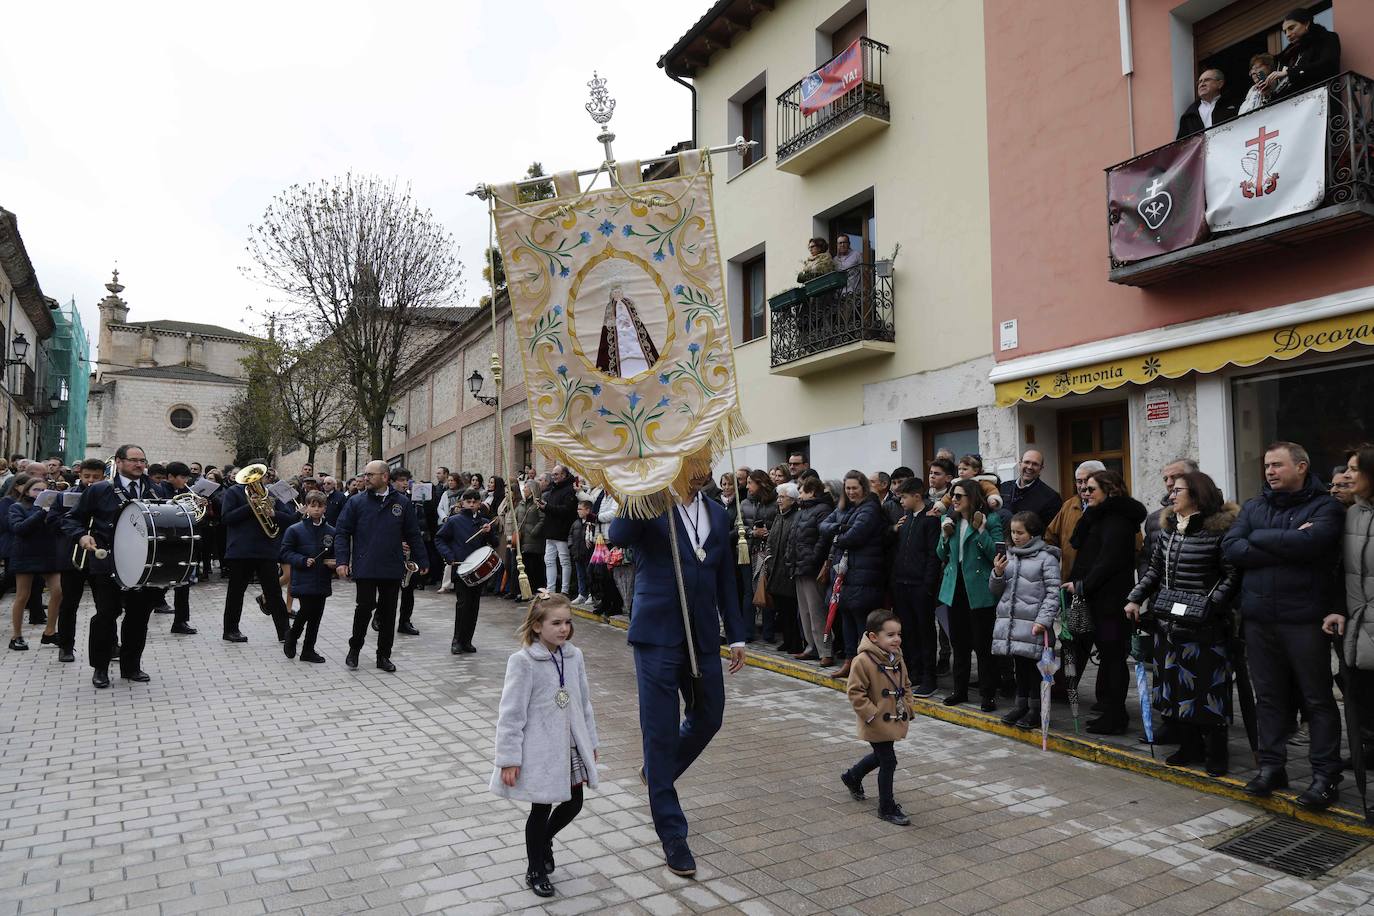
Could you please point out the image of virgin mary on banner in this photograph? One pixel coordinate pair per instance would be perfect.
(620, 315)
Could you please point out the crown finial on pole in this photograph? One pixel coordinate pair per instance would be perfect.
(601, 108)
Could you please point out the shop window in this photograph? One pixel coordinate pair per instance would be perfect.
(1325, 409)
(1093, 433)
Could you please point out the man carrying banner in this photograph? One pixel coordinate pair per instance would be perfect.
(663, 647)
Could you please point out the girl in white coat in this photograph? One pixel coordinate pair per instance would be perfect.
(546, 733)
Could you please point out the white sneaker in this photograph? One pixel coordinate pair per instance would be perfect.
(582, 601)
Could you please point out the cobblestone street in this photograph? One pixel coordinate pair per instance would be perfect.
(240, 782)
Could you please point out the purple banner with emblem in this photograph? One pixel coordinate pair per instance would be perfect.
(842, 73)
(1158, 202)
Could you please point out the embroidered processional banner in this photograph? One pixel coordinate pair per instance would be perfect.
(623, 329)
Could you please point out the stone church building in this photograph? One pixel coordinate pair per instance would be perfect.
(161, 384)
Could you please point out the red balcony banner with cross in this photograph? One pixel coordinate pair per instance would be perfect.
(842, 73)
(1157, 203)
(1267, 164)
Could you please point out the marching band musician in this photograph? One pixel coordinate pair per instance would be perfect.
(400, 479)
(178, 482)
(33, 556)
(375, 526)
(92, 522)
(306, 549)
(90, 471)
(248, 552)
(461, 534)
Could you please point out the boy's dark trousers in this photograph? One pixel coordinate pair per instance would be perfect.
(73, 584)
(882, 758)
(466, 599)
(181, 604)
(916, 610)
(308, 619)
(407, 602)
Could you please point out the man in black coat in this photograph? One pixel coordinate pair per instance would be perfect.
(1028, 493)
(559, 505)
(1210, 109)
(1286, 543)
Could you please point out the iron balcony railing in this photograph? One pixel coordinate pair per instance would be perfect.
(832, 311)
(797, 130)
(1349, 154)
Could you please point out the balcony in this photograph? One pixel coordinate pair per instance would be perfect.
(1348, 202)
(834, 320)
(807, 141)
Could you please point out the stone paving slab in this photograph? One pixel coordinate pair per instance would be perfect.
(240, 782)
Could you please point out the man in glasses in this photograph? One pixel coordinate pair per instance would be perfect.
(797, 465)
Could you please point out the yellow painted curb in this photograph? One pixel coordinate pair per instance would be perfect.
(1346, 820)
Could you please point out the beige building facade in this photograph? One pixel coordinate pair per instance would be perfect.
(25, 323)
(895, 364)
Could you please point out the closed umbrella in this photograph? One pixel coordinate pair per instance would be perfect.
(1352, 727)
(1048, 665)
(1142, 687)
(838, 573)
(1069, 651)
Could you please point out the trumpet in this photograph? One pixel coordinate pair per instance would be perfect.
(194, 504)
(258, 498)
(411, 567)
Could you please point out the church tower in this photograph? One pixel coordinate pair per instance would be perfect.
(113, 310)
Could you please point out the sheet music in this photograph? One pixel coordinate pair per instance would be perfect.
(205, 487)
(422, 492)
(47, 499)
(283, 491)
(70, 498)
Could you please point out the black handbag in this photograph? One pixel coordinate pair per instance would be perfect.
(1078, 619)
(1192, 609)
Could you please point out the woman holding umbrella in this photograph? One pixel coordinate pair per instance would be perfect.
(1195, 680)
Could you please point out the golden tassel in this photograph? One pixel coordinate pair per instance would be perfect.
(526, 593)
(742, 551)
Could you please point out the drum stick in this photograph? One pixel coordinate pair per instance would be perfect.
(479, 531)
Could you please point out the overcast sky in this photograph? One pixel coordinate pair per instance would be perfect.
(153, 134)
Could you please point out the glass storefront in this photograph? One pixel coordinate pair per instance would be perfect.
(1327, 409)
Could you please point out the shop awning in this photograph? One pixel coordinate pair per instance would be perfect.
(1325, 335)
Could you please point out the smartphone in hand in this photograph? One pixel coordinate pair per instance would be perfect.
(1000, 548)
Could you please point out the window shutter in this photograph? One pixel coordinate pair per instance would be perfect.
(1236, 22)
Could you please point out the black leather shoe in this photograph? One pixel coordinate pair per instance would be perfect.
(66, 655)
(289, 647)
(262, 605)
(18, 644)
(312, 656)
(954, 699)
(235, 637)
(855, 787)
(1107, 724)
(539, 883)
(375, 627)
(100, 677)
(408, 629)
(679, 858)
(384, 664)
(1267, 780)
(163, 609)
(1217, 752)
(351, 660)
(455, 648)
(469, 647)
(1016, 713)
(989, 704)
(48, 639)
(141, 676)
(183, 629)
(1321, 794)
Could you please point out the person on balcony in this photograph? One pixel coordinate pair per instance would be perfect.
(1313, 55)
(845, 258)
(819, 263)
(1210, 109)
(1262, 92)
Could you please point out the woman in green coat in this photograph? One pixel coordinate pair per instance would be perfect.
(968, 543)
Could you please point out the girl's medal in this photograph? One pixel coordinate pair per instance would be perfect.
(562, 698)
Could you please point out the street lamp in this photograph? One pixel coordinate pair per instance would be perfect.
(55, 402)
(391, 421)
(20, 345)
(475, 382)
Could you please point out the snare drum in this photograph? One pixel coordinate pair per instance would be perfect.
(481, 565)
(154, 544)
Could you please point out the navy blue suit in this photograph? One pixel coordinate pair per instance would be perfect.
(368, 541)
(454, 546)
(310, 585)
(249, 552)
(334, 507)
(662, 666)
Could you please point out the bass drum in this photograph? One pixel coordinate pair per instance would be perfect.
(154, 544)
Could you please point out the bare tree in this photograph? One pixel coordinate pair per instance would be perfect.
(358, 259)
(309, 381)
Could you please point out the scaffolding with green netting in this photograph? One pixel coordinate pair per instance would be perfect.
(68, 382)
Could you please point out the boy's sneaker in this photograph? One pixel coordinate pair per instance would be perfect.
(895, 815)
(855, 787)
(924, 689)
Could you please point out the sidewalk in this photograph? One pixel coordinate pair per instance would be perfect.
(1127, 752)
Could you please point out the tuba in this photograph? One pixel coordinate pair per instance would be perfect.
(259, 500)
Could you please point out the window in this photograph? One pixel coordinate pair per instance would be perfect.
(860, 226)
(1325, 409)
(844, 34)
(752, 114)
(958, 434)
(181, 417)
(1095, 432)
(755, 309)
(1227, 39)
